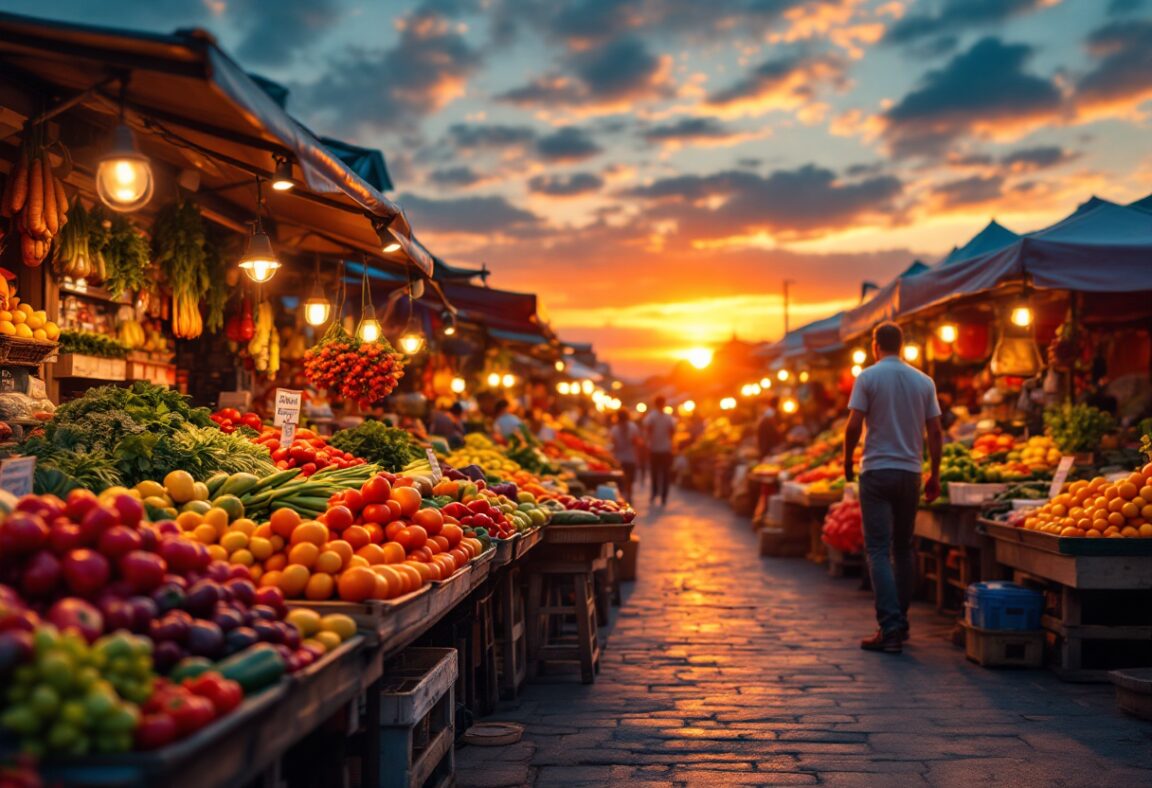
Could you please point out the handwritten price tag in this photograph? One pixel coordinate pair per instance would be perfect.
(287, 407)
(437, 473)
(16, 475)
(1060, 476)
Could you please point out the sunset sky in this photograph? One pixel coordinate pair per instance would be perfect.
(654, 169)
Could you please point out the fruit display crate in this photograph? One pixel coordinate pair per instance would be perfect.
(527, 541)
(379, 620)
(417, 718)
(75, 365)
(505, 550)
(1064, 545)
(18, 351)
(991, 648)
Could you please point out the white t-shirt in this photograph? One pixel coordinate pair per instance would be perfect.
(508, 424)
(896, 400)
(660, 428)
(624, 441)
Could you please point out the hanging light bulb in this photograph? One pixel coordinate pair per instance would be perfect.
(369, 329)
(765, 383)
(804, 376)
(728, 403)
(859, 356)
(856, 370)
(782, 375)
(911, 352)
(493, 379)
(1021, 316)
(282, 177)
(259, 261)
(790, 405)
(411, 342)
(559, 365)
(124, 177)
(317, 309)
(458, 385)
(508, 381)
(563, 388)
(587, 387)
(948, 332)
(688, 406)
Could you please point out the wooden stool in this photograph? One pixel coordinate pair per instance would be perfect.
(559, 590)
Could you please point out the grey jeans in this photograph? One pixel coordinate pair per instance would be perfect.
(888, 501)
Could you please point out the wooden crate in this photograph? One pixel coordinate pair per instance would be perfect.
(417, 718)
(75, 365)
(1004, 648)
(154, 372)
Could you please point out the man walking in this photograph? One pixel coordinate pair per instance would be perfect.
(659, 427)
(897, 403)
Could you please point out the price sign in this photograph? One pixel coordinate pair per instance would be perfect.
(287, 432)
(16, 475)
(1060, 476)
(235, 399)
(287, 407)
(437, 474)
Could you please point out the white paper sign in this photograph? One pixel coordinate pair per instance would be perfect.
(36, 389)
(437, 474)
(287, 407)
(241, 400)
(287, 433)
(16, 475)
(1060, 476)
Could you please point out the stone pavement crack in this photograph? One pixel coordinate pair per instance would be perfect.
(723, 668)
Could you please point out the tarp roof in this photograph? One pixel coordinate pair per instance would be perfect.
(994, 236)
(883, 305)
(195, 109)
(1101, 247)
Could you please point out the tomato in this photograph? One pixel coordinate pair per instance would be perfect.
(377, 513)
(155, 731)
(338, 518)
(354, 501)
(190, 712)
(231, 414)
(394, 528)
(253, 420)
(224, 694)
(431, 520)
(376, 490)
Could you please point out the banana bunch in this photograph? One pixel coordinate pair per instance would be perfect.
(265, 344)
(418, 470)
(35, 197)
(132, 335)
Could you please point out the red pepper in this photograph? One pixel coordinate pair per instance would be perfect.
(191, 712)
(225, 694)
(155, 731)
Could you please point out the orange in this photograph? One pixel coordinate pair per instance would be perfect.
(1116, 504)
(270, 578)
(372, 553)
(389, 583)
(427, 574)
(431, 520)
(261, 548)
(413, 578)
(1129, 532)
(256, 572)
(310, 531)
(243, 557)
(357, 560)
(263, 530)
(356, 536)
(1146, 512)
(393, 553)
(341, 548)
(356, 584)
(277, 543)
(327, 561)
(408, 498)
(1127, 490)
(1130, 510)
(1116, 519)
(1110, 492)
(1145, 530)
(276, 561)
(1092, 533)
(453, 533)
(284, 522)
(304, 553)
(320, 586)
(293, 580)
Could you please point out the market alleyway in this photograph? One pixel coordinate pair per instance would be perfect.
(725, 668)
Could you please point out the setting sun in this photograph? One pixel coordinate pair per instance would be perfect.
(699, 357)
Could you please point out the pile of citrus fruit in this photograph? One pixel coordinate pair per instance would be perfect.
(1099, 508)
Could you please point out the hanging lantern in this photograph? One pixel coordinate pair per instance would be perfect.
(948, 332)
(1021, 315)
(259, 262)
(282, 177)
(859, 356)
(124, 176)
(911, 353)
(411, 342)
(458, 385)
(508, 381)
(317, 309)
(493, 380)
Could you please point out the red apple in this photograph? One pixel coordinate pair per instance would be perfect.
(72, 613)
(41, 574)
(119, 540)
(22, 532)
(85, 571)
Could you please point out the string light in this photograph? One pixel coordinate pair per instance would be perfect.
(317, 309)
(782, 375)
(259, 262)
(458, 385)
(688, 406)
(587, 387)
(641, 407)
(508, 381)
(559, 365)
(789, 405)
(948, 332)
(411, 342)
(563, 388)
(493, 379)
(911, 352)
(765, 383)
(856, 370)
(859, 356)
(728, 403)
(804, 377)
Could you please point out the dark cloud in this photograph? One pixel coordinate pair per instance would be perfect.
(275, 34)
(396, 88)
(566, 185)
(156, 15)
(794, 203)
(1122, 76)
(954, 15)
(569, 144)
(608, 74)
(468, 215)
(984, 91)
(456, 176)
(1121, 7)
(1038, 158)
(781, 83)
(471, 137)
(689, 130)
(975, 190)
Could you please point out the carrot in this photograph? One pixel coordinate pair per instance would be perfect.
(19, 194)
(51, 215)
(36, 200)
(61, 200)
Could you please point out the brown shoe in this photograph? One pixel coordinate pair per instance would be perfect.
(888, 643)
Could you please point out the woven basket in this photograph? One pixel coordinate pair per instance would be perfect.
(17, 350)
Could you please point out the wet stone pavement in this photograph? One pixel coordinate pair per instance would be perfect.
(723, 668)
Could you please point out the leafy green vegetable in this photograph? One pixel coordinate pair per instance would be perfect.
(1077, 428)
(376, 442)
(91, 344)
(59, 471)
(126, 256)
(178, 245)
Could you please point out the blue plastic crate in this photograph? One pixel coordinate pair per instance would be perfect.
(1002, 606)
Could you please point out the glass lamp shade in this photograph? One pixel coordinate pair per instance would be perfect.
(1022, 316)
(450, 330)
(124, 176)
(259, 262)
(317, 309)
(369, 330)
(282, 178)
(411, 342)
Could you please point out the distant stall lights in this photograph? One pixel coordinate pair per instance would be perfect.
(563, 388)
(411, 342)
(1021, 316)
(587, 387)
(560, 366)
(508, 381)
(859, 356)
(804, 377)
(789, 406)
(765, 383)
(668, 410)
(783, 375)
(911, 352)
(493, 380)
(641, 407)
(699, 357)
(948, 332)
(728, 403)
(856, 370)
(688, 406)
(458, 385)
(750, 390)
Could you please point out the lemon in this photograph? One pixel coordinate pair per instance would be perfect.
(344, 626)
(305, 620)
(181, 486)
(329, 640)
(23, 331)
(149, 489)
(52, 330)
(5, 315)
(40, 334)
(7, 327)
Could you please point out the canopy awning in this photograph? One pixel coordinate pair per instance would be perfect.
(205, 123)
(994, 236)
(1101, 247)
(883, 305)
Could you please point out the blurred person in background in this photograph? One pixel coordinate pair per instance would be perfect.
(504, 421)
(659, 428)
(448, 423)
(626, 444)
